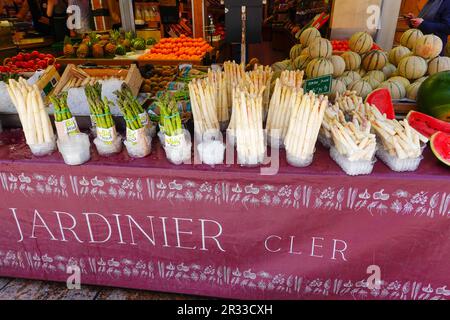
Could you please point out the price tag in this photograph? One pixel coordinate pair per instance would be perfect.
(106, 135)
(174, 141)
(320, 85)
(71, 126)
(143, 118)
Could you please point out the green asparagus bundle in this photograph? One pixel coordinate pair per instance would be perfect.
(99, 108)
(169, 115)
(62, 111)
(130, 108)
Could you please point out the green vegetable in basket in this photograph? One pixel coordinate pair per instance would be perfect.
(130, 107)
(99, 108)
(169, 115)
(62, 111)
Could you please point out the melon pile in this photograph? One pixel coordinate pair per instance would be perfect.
(401, 71)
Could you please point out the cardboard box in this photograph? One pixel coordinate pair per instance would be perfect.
(48, 82)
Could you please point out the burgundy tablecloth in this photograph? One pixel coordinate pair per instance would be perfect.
(226, 231)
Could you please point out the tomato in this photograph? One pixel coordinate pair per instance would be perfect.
(41, 56)
(19, 57)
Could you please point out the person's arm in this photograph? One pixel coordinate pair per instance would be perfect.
(23, 10)
(442, 27)
(50, 7)
(115, 16)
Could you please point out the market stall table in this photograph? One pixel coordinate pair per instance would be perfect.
(226, 231)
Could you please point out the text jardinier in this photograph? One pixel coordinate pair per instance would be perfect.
(202, 234)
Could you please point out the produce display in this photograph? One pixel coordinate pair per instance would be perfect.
(156, 78)
(182, 48)
(426, 124)
(440, 144)
(287, 93)
(105, 45)
(138, 137)
(303, 131)
(108, 141)
(33, 116)
(28, 62)
(344, 45)
(401, 70)
(433, 97)
(248, 116)
(401, 145)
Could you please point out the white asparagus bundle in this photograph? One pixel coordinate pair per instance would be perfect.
(398, 138)
(292, 79)
(247, 103)
(286, 95)
(332, 113)
(234, 74)
(262, 76)
(306, 120)
(218, 80)
(353, 139)
(32, 113)
(203, 95)
(348, 102)
(234, 77)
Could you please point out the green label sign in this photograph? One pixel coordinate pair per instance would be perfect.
(320, 85)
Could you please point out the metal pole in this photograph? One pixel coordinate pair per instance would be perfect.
(127, 15)
(244, 30)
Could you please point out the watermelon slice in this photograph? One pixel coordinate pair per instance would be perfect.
(440, 144)
(381, 98)
(427, 125)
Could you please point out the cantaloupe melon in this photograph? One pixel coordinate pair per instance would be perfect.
(428, 47)
(377, 74)
(295, 51)
(374, 83)
(405, 82)
(338, 66)
(374, 60)
(337, 86)
(320, 48)
(301, 62)
(309, 35)
(398, 53)
(422, 79)
(361, 42)
(305, 52)
(353, 75)
(361, 87)
(410, 37)
(352, 60)
(345, 80)
(281, 65)
(412, 90)
(412, 67)
(388, 70)
(396, 89)
(438, 64)
(319, 67)
(361, 72)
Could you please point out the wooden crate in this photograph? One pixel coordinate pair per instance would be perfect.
(132, 76)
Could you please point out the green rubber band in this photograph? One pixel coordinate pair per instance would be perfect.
(172, 116)
(62, 111)
(104, 115)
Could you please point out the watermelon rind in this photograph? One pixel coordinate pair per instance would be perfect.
(433, 97)
(438, 142)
